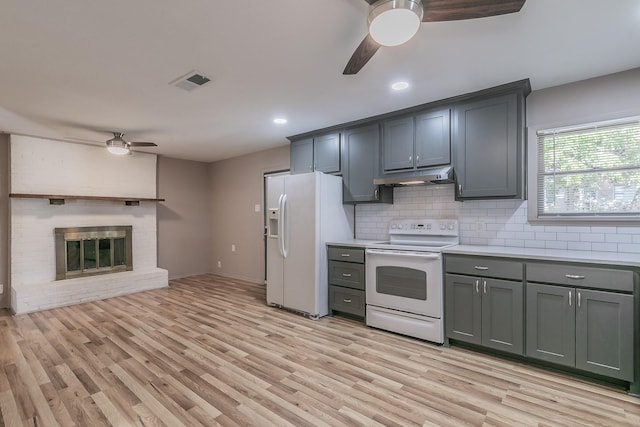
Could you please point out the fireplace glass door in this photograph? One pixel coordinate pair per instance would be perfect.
(92, 250)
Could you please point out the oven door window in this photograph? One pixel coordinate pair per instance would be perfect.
(401, 281)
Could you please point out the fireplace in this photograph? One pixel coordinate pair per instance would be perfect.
(88, 251)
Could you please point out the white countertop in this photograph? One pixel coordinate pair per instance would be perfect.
(357, 243)
(612, 258)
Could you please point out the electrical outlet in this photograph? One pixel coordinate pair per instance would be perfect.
(257, 208)
(233, 248)
(479, 226)
(219, 264)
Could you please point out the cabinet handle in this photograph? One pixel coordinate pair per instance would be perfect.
(345, 255)
(477, 286)
(484, 285)
(579, 298)
(346, 274)
(348, 301)
(570, 298)
(376, 194)
(573, 276)
(418, 158)
(410, 158)
(479, 267)
(460, 189)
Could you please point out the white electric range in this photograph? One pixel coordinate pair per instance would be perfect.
(404, 277)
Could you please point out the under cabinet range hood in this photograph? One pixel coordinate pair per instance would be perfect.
(436, 175)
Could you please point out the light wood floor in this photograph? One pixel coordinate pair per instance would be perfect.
(208, 351)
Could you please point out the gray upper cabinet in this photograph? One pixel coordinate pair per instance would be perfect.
(398, 137)
(321, 153)
(433, 138)
(326, 153)
(488, 137)
(361, 164)
(418, 141)
(302, 156)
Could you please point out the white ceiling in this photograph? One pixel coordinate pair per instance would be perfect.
(74, 68)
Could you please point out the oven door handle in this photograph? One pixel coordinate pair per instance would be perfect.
(422, 255)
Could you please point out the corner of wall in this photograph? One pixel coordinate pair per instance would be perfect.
(4, 219)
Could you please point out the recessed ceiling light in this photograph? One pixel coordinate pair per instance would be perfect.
(399, 85)
(279, 120)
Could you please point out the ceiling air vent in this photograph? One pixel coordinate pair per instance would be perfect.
(191, 81)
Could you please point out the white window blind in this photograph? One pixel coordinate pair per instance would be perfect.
(591, 170)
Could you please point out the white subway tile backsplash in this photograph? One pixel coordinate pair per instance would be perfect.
(592, 237)
(490, 222)
(579, 246)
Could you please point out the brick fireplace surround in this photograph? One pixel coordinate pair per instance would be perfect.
(36, 167)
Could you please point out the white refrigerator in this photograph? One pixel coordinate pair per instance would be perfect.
(304, 212)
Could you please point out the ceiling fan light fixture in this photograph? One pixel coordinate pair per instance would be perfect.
(394, 22)
(117, 147)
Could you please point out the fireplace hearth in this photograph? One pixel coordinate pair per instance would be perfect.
(88, 251)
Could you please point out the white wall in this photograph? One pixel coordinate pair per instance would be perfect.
(504, 222)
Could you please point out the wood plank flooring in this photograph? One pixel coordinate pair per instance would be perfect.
(209, 351)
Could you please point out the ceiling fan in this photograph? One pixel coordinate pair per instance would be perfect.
(393, 22)
(117, 145)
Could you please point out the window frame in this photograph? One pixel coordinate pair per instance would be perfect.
(532, 177)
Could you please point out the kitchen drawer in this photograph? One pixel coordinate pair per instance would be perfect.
(346, 274)
(484, 267)
(346, 300)
(580, 276)
(339, 253)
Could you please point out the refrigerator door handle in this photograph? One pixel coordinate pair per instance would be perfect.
(280, 227)
(283, 218)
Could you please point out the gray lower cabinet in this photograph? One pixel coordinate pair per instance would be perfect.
(591, 330)
(488, 141)
(346, 280)
(361, 164)
(485, 311)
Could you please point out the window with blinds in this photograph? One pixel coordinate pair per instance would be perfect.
(591, 170)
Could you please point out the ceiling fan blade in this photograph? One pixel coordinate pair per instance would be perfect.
(142, 144)
(364, 52)
(455, 10)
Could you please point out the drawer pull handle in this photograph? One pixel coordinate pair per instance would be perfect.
(346, 274)
(345, 255)
(573, 276)
(481, 268)
(348, 301)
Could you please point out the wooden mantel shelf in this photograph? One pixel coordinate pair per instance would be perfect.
(58, 199)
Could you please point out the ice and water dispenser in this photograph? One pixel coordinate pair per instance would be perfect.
(272, 223)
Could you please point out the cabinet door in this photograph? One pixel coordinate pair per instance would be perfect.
(362, 160)
(551, 323)
(488, 148)
(463, 315)
(433, 138)
(302, 156)
(604, 333)
(502, 315)
(327, 153)
(398, 138)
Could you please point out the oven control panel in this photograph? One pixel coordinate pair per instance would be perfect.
(433, 227)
